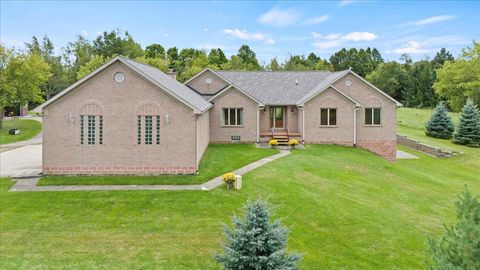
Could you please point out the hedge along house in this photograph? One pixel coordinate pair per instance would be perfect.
(130, 118)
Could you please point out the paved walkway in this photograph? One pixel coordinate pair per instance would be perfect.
(30, 184)
(404, 155)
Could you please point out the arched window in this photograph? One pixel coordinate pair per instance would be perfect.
(148, 123)
(91, 123)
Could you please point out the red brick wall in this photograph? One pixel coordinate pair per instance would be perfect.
(118, 170)
(385, 149)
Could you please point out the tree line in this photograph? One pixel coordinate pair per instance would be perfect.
(38, 72)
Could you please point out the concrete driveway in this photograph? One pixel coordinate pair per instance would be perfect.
(22, 159)
(21, 162)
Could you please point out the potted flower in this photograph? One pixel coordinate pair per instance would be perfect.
(229, 179)
(293, 143)
(273, 143)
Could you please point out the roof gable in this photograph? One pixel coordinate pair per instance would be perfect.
(172, 87)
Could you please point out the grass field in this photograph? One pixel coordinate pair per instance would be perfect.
(215, 162)
(28, 129)
(347, 209)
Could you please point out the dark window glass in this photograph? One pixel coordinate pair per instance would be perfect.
(232, 117)
(239, 117)
(225, 117)
(376, 116)
(333, 117)
(368, 116)
(324, 117)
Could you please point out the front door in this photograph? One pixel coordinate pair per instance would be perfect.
(276, 117)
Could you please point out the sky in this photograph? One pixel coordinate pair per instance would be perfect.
(271, 29)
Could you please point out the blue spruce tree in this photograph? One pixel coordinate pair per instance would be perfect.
(468, 130)
(256, 243)
(440, 125)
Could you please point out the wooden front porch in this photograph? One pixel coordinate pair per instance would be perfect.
(282, 136)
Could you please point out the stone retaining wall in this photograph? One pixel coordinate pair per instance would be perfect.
(425, 148)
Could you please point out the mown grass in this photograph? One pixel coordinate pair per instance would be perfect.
(28, 129)
(346, 207)
(217, 160)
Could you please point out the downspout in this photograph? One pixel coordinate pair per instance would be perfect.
(355, 126)
(303, 124)
(258, 124)
(196, 144)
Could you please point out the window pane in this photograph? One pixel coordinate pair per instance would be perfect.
(376, 116)
(239, 117)
(139, 129)
(158, 129)
(148, 129)
(225, 117)
(368, 116)
(91, 129)
(232, 117)
(100, 129)
(333, 117)
(323, 117)
(81, 129)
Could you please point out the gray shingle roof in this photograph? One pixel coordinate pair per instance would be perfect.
(278, 87)
(180, 90)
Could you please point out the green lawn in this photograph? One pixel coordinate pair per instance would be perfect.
(347, 209)
(28, 129)
(217, 160)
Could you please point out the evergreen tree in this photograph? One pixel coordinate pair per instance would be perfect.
(440, 124)
(256, 243)
(468, 130)
(459, 247)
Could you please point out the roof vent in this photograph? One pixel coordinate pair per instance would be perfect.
(296, 82)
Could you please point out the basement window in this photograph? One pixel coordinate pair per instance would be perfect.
(235, 138)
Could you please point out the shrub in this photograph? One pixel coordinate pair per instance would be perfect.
(293, 142)
(273, 142)
(229, 178)
(468, 130)
(459, 246)
(256, 243)
(440, 124)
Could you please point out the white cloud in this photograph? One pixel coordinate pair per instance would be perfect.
(316, 20)
(269, 41)
(411, 47)
(332, 36)
(337, 39)
(84, 33)
(360, 36)
(343, 3)
(205, 29)
(277, 17)
(430, 20)
(435, 19)
(245, 35)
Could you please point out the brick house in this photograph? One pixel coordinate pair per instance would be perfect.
(130, 118)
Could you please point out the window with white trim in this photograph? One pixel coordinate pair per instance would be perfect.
(146, 130)
(232, 117)
(373, 116)
(328, 117)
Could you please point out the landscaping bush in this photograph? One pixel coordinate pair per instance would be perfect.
(459, 247)
(440, 124)
(293, 142)
(256, 243)
(273, 142)
(229, 178)
(468, 130)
